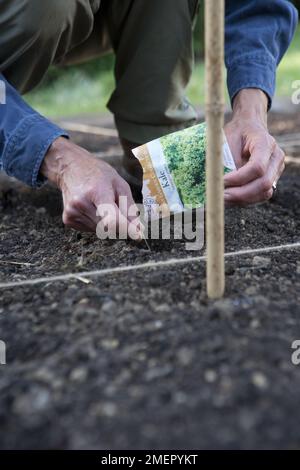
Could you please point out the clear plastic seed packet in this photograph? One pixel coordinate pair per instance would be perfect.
(174, 171)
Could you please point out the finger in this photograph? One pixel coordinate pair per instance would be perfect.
(256, 167)
(105, 206)
(84, 225)
(129, 209)
(110, 219)
(80, 206)
(234, 200)
(74, 219)
(89, 212)
(116, 218)
(282, 167)
(105, 195)
(279, 157)
(81, 226)
(125, 200)
(259, 190)
(113, 224)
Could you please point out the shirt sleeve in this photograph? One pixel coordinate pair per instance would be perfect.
(257, 34)
(25, 136)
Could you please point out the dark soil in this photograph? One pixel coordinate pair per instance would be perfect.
(143, 360)
(30, 233)
(281, 124)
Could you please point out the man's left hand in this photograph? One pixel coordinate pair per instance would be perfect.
(259, 159)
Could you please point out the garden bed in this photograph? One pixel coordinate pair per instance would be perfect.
(32, 232)
(141, 359)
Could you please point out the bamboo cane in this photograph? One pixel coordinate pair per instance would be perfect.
(214, 59)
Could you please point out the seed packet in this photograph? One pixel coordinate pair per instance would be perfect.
(174, 171)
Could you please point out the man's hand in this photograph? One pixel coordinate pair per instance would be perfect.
(259, 159)
(87, 184)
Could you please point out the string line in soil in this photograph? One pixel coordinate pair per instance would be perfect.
(148, 265)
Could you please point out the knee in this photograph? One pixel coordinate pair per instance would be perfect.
(42, 19)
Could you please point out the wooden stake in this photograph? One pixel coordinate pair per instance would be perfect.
(214, 58)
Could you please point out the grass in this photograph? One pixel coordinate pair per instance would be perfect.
(77, 91)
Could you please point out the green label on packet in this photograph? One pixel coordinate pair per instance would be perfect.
(174, 171)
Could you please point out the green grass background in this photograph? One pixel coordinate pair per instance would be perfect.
(87, 88)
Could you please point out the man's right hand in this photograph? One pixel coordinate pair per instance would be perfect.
(87, 183)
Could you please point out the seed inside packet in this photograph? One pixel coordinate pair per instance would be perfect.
(174, 171)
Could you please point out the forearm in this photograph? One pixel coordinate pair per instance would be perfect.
(258, 34)
(25, 137)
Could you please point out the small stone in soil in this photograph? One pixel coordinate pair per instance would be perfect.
(261, 261)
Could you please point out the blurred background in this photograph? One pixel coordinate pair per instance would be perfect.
(86, 88)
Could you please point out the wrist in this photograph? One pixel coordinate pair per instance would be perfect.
(56, 160)
(251, 103)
